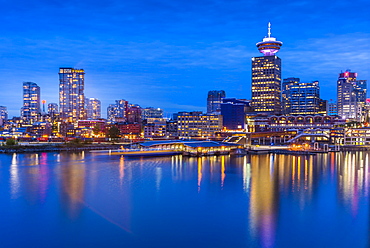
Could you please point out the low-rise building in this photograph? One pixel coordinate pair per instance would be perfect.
(198, 125)
(302, 122)
(357, 136)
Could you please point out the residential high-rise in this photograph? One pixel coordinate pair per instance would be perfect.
(133, 113)
(214, 101)
(71, 94)
(118, 111)
(351, 96)
(3, 115)
(93, 108)
(31, 102)
(151, 112)
(266, 76)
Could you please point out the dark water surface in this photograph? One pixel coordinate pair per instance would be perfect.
(86, 200)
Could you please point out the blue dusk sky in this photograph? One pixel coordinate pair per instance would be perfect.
(169, 54)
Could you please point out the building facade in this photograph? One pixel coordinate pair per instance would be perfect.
(71, 94)
(351, 96)
(117, 112)
(214, 100)
(266, 76)
(31, 102)
(151, 112)
(53, 109)
(233, 113)
(304, 98)
(198, 125)
(3, 115)
(286, 95)
(93, 108)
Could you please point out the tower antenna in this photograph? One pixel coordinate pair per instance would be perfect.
(269, 30)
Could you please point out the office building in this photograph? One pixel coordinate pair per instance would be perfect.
(31, 102)
(304, 98)
(198, 125)
(351, 96)
(266, 76)
(286, 95)
(214, 101)
(332, 107)
(233, 113)
(71, 94)
(93, 108)
(323, 107)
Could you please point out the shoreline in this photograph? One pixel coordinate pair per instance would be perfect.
(53, 148)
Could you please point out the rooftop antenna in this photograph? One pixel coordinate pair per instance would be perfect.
(269, 30)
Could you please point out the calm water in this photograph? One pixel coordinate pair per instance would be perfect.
(86, 200)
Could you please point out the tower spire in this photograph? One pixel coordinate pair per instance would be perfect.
(269, 45)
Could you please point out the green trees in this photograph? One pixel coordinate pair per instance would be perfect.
(11, 142)
(113, 132)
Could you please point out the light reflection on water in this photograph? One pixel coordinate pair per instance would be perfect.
(255, 201)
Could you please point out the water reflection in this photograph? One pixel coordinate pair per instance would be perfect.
(29, 173)
(353, 178)
(134, 191)
(14, 177)
(264, 200)
(72, 178)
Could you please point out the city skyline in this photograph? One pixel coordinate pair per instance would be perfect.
(131, 52)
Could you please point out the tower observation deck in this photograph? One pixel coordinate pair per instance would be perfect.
(269, 45)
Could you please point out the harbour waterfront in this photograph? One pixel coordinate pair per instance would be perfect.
(268, 200)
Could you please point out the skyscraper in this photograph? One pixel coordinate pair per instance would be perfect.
(266, 76)
(71, 94)
(285, 94)
(351, 96)
(93, 108)
(214, 101)
(31, 102)
(301, 98)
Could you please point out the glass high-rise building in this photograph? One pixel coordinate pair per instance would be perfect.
(351, 96)
(214, 101)
(71, 94)
(304, 98)
(93, 108)
(266, 76)
(31, 102)
(286, 95)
